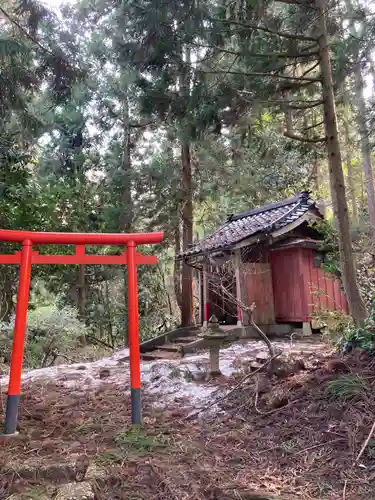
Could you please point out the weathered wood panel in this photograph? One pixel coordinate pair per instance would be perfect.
(301, 288)
(289, 286)
(257, 287)
(324, 290)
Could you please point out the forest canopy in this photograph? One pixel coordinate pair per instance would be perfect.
(150, 115)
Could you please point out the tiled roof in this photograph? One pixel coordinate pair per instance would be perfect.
(298, 242)
(265, 219)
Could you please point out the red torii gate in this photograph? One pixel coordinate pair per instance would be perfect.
(27, 257)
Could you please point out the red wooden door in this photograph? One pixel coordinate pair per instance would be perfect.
(289, 287)
(257, 285)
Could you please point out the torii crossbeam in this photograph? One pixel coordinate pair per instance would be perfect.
(26, 257)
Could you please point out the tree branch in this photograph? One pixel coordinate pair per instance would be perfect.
(25, 32)
(291, 103)
(304, 139)
(311, 69)
(298, 2)
(260, 332)
(313, 126)
(141, 124)
(244, 379)
(282, 101)
(268, 75)
(297, 85)
(35, 42)
(281, 34)
(276, 55)
(313, 104)
(101, 342)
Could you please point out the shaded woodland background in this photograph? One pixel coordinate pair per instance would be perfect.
(152, 115)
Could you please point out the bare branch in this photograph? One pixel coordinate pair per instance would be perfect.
(299, 2)
(312, 104)
(304, 139)
(268, 75)
(281, 34)
(261, 333)
(314, 125)
(291, 103)
(142, 124)
(225, 274)
(34, 41)
(276, 55)
(244, 379)
(311, 69)
(25, 32)
(365, 444)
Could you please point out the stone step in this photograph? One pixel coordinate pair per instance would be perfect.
(184, 340)
(169, 347)
(68, 491)
(75, 491)
(254, 365)
(262, 357)
(154, 355)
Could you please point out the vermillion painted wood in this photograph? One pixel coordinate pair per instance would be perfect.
(301, 288)
(27, 257)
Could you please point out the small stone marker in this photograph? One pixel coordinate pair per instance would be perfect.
(306, 329)
(75, 491)
(214, 336)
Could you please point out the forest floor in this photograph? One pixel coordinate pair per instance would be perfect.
(295, 435)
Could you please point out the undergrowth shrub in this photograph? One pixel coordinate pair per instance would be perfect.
(347, 387)
(335, 325)
(136, 439)
(339, 329)
(51, 332)
(363, 337)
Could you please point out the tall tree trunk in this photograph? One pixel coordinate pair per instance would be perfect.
(187, 236)
(363, 128)
(81, 275)
(106, 301)
(6, 296)
(356, 305)
(126, 218)
(366, 149)
(176, 226)
(187, 317)
(81, 282)
(317, 178)
(350, 171)
(288, 114)
(177, 262)
(319, 184)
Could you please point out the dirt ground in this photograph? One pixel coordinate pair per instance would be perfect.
(283, 437)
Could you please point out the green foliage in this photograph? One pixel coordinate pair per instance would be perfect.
(339, 328)
(336, 326)
(362, 248)
(94, 107)
(109, 458)
(50, 332)
(329, 246)
(290, 445)
(363, 337)
(136, 439)
(371, 448)
(347, 387)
